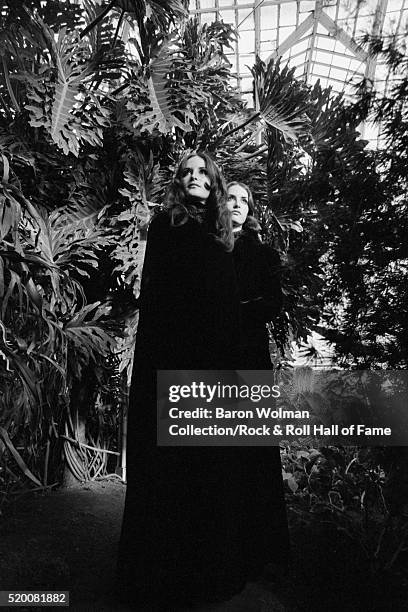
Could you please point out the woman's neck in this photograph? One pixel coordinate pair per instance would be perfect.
(196, 210)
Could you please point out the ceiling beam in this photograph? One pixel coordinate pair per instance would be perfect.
(232, 6)
(378, 24)
(342, 37)
(312, 41)
(293, 38)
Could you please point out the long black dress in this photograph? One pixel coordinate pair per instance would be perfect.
(190, 529)
(257, 267)
(258, 271)
(183, 514)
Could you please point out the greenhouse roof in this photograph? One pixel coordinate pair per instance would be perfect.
(322, 39)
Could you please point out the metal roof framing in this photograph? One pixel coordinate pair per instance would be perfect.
(304, 32)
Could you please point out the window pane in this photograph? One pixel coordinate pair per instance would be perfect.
(207, 3)
(228, 16)
(246, 19)
(268, 16)
(246, 42)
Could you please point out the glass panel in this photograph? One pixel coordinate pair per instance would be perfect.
(325, 43)
(246, 42)
(344, 10)
(394, 5)
(246, 62)
(287, 14)
(364, 24)
(264, 54)
(207, 4)
(299, 71)
(208, 17)
(381, 72)
(391, 23)
(246, 19)
(307, 7)
(299, 59)
(268, 35)
(331, 11)
(267, 47)
(269, 16)
(335, 73)
(321, 70)
(300, 46)
(247, 84)
(284, 33)
(356, 64)
(228, 16)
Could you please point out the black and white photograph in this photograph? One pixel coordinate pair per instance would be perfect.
(204, 305)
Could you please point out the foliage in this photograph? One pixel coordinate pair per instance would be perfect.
(97, 104)
(81, 157)
(336, 210)
(351, 488)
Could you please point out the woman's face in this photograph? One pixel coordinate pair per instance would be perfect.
(195, 180)
(237, 203)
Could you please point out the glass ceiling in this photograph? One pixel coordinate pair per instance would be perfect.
(321, 38)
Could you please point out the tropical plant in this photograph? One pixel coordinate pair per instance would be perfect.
(81, 157)
(91, 130)
(49, 332)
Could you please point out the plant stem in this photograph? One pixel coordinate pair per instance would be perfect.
(98, 18)
(9, 87)
(239, 127)
(115, 38)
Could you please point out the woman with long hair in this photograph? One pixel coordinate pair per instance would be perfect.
(257, 267)
(258, 273)
(184, 517)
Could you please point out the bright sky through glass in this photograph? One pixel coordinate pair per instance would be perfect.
(321, 38)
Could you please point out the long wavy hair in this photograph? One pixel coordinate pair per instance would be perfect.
(215, 212)
(250, 224)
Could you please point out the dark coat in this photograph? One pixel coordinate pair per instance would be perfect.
(179, 541)
(189, 300)
(258, 271)
(196, 525)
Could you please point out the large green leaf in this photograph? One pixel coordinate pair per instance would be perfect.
(282, 101)
(161, 112)
(88, 339)
(129, 251)
(160, 13)
(62, 97)
(281, 106)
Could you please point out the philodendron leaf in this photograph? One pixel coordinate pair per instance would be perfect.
(159, 114)
(64, 102)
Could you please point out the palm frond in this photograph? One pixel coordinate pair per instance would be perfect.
(281, 102)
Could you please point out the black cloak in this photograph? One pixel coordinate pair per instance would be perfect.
(184, 534)
(258, 267)
(258, 272)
